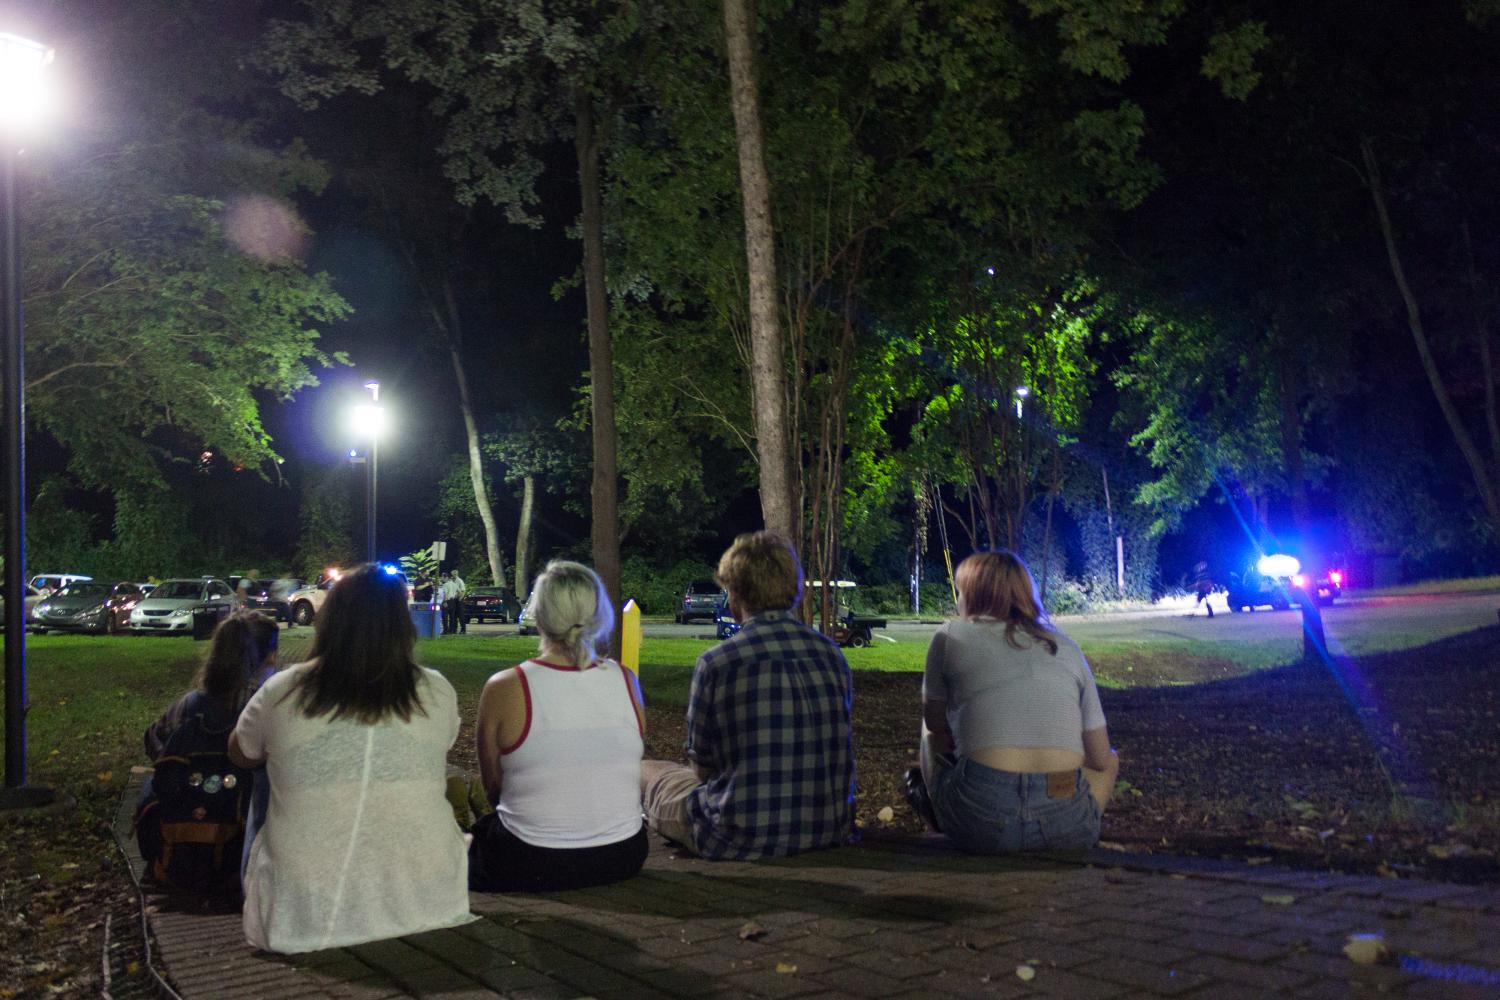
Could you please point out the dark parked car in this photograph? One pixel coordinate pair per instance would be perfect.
(87, 607)
(701, 599)
(490, 604)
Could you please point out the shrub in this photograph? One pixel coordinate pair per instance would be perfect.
(657, 589)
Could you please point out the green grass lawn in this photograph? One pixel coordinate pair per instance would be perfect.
(1473, 584)
(91, 696)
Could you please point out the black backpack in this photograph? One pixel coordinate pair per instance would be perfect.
(191, 825)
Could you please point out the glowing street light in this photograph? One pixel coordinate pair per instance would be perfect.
(1021, 393)
(24, 97)
(367, 421)
(22, 101)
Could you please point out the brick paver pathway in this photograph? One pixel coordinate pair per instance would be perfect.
(893, 918)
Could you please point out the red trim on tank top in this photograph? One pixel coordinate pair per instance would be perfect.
(526, 729)
(559, 666)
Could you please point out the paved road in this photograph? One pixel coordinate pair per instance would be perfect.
(1353, 626)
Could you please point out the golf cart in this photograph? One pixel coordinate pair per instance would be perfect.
(849, 628)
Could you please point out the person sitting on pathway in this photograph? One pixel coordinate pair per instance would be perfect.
(196, 794)
(1014, 748)
(359, 843)
(560, 740)
(768, 725)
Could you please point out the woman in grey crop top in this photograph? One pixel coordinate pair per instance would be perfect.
(1015, 753)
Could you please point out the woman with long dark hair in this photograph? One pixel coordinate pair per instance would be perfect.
(1015, 751)
(358, 843)
(240, 659)
(191, 817)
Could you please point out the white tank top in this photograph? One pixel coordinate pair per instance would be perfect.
(573, 779)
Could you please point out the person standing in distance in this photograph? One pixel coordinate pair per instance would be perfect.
(768, 725)
(460, 591)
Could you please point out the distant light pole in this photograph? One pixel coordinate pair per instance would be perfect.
(22, 66)
(369, 422)
(1021, 393)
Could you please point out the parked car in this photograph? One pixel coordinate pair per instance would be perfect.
(496, 604)
(171, 605)
(33, 597)
(87, 607)
(700, 599)
(524, 624)
(304, 602)
(49, 582)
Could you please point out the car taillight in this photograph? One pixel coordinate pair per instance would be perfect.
(1336, 577)
(1299, 580)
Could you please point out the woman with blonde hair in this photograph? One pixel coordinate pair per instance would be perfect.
(1015, 752)
(560, 739)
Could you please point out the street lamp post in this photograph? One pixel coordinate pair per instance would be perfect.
(1021, 393)
(369, 421)
(22, 63)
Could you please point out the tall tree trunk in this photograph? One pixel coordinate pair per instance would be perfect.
(471, 432)
(1288, 391)
(1047, 531)
(606, 513)
(523, 536)
(1475, 460)
(768, 355)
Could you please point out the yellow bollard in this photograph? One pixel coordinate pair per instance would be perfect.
(630, 637)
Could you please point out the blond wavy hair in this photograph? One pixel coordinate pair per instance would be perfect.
(761, 571)
(999, 586)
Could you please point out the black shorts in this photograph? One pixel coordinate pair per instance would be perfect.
(499, 861)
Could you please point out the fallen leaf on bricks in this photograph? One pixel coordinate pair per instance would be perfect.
(785, 968)
(1025, 973)
(1365, 949)
(751, 931)
(1278, 899)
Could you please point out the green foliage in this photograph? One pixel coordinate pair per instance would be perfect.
(153, 537)
(657, 589)
(419, 566)
(59, 536)
(1230, 59)
(148, 330)
(329, 521)
(458, 521)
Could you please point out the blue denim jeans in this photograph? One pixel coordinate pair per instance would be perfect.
(985, 811)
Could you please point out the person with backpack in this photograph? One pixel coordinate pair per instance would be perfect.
(359, 843)
(191, 817)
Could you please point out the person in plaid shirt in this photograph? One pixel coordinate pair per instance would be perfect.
(768, 729)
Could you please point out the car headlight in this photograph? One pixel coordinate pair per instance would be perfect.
(41, 609)
(182, 612)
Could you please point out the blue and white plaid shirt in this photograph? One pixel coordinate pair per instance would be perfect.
(769, 718)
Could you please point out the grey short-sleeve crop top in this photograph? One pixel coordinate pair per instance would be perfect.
(1001, 696)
